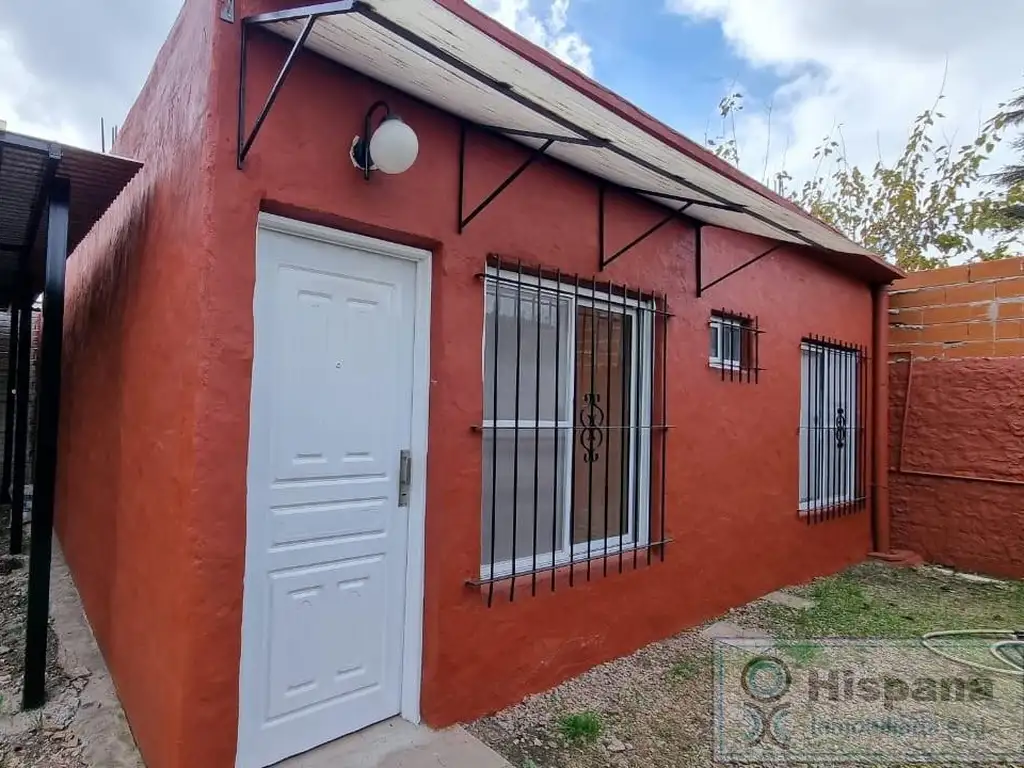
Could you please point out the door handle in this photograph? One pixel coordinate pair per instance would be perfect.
(404, 477)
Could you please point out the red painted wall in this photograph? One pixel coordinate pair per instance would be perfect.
(130, 377)
(180, 439)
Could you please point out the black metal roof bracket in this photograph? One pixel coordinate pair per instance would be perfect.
(313, 12)
(310, 13)
(368, 12)
(603, 260)
(550, 139)
(700, 277)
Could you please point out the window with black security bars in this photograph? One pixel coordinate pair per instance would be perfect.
(833, 435)
(735, 345)
(574, 431)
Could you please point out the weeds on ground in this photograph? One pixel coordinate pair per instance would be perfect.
(580, 727)
(684, 669)
(874, 600)
(802, 653)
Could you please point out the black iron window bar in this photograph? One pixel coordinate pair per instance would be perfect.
(310, 14)
(574, 431)
(736, 345)
(833, 434)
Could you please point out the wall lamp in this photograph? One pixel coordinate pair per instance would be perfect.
(391, 149)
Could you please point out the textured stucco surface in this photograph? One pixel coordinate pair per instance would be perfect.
(154, 458)
(964, 418)
(125, 512)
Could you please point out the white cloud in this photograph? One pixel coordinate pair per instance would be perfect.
(64, 64)
(869, 66)
(549, 30)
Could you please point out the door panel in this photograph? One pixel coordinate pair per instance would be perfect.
(326, 541)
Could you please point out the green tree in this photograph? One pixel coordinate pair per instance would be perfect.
(931, 205)
(1011, 178)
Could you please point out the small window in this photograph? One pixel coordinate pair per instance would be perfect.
(734, 345)
(832, 434)
(568, 435)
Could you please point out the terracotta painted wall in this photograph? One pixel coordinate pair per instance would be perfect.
(956, 424)
(155, 433)
(130, 377)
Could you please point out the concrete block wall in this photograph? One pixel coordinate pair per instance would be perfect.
(956, 362)
(962, 312)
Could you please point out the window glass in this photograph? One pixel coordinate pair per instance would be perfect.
(565, 473)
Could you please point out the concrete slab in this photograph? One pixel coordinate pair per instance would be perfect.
(97, 721)
(788, 600)
(726, 631)
(397, 743)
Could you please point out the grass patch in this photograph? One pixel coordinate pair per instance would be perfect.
(580, 727)
(802, 653)
(683, 670)
(875, 600)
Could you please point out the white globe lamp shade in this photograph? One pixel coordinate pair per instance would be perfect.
(394, 146)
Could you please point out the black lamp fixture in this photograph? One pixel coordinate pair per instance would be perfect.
(392, 148)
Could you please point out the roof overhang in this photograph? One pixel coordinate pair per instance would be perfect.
(451, 56)
(28, 168)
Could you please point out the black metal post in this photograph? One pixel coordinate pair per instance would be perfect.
(591, 433)
(536, 441)
(22, 386)
(47, 424)
(515, 429)
(698, 256)
(636, 437)
(462, 173)
(12, 367)
(555, 516)
(625, 355)
(663, 534)
(494, 430)
(609, 434)
(573, 375)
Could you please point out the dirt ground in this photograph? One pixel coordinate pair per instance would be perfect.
(653, 709)
(31, 739)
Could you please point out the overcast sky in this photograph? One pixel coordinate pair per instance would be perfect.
(869, 65)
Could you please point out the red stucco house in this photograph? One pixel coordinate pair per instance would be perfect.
(344, 437)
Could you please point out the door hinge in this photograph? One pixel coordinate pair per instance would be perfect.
(404, 477)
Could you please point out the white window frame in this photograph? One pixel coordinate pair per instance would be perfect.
(719, 323)
(642, 350)
(848, 389)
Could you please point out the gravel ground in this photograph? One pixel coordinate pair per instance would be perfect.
(654, 708)
(38, 739)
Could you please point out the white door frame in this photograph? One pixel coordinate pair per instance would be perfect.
(412, 640)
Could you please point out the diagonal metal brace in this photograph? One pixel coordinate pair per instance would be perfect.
(464, 220)
(604, 261)
(701, 288)
(310, 13)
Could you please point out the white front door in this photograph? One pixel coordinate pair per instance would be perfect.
(324, 605)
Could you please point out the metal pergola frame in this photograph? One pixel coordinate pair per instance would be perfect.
(310, 14)
(52, 198)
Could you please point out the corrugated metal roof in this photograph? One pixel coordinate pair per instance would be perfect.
(427, 50)
(26, 165)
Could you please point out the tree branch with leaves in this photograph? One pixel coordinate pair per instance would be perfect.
(931, 206)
